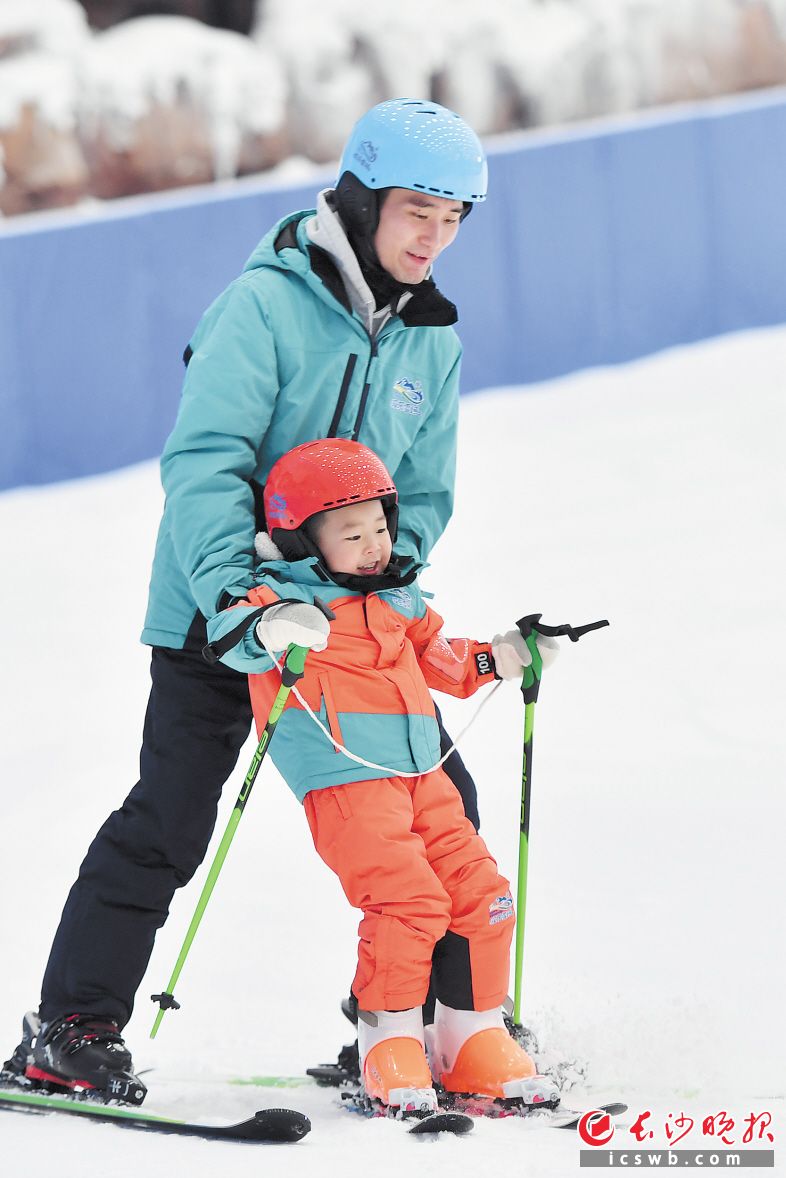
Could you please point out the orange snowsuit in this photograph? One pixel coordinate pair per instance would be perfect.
(409, 858)
(402, 847)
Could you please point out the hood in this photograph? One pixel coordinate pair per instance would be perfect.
(327, 232)
(313, 244)
(266, 253)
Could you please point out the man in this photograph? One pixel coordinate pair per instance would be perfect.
(334, 329)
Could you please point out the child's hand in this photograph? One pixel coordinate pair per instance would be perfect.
(512, 655)
(293, 622)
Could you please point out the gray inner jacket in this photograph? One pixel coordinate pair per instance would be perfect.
(327, 231)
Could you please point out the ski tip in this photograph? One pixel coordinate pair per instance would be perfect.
(281, 1124)
(614, 1110)
(455, 1123)
(566, 1118)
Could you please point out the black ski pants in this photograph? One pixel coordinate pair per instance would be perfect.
(198, 718)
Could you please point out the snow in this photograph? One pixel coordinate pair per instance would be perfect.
(651, 494)
(155, 62)
(58, 25)
(43, 41)
(43, 81)
(218, 102)
(509, 63)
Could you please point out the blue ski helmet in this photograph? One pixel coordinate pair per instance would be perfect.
(408, 143)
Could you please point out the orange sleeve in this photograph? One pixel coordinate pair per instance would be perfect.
(457, 666)
(259, 595)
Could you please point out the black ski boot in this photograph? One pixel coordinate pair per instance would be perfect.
(82, 1053)
(12, 1073)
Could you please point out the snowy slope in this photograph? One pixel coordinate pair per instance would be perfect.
(651, 494)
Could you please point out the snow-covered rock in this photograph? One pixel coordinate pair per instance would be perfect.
(166, 101)
(329, 84)
(56, 26)
(41, 161)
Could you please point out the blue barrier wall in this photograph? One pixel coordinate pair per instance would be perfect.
(598, 244)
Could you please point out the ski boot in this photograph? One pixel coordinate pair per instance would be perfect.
(80, 1053)
(473, 1055)
(394, 1070)
(12, 1073)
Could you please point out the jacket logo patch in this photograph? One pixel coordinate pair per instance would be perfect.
(400, 598)
(501, 908)
(408, 397)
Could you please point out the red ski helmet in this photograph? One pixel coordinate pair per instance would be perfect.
(320, 476)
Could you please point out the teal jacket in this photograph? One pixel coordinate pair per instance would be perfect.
(371, 686)
(280, 359)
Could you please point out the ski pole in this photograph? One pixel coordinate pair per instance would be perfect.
(529, 628)
(292, 671)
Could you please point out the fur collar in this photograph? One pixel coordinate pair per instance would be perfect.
(265, 548)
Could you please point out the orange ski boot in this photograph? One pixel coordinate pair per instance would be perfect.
(393, 1064)
(472, 1053)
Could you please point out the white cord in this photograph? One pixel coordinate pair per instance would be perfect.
(372, 764)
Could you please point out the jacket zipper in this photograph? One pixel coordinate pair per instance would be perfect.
(342, 396)
(364, 394)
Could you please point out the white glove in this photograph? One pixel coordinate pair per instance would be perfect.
(293, 621)
(512, 655)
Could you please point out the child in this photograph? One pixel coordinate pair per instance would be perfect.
(393, 827)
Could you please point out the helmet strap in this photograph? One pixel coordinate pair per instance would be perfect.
(359, 208)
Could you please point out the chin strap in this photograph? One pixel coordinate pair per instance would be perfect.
(401, 571)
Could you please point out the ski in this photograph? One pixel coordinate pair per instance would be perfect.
(457, 1124)
(302, 1081)
(557, 1117)
(267, 1125)
(447, 1121)
(568, 1118)
(554, 1116)
(333, 1076)
(455, 1113)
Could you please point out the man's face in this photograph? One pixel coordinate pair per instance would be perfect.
(414, 228)
(355, 539)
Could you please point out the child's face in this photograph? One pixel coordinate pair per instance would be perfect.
(355, 539)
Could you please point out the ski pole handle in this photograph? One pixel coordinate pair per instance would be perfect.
(532, 622)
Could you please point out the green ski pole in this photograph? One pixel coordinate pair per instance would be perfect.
(530, 683)
(292, 671)
(529, 628)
